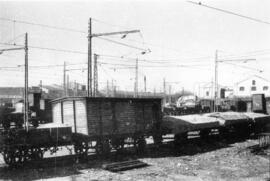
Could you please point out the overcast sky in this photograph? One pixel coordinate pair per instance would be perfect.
(182, 38)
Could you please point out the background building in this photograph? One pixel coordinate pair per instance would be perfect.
(252, 85)
(206, 90)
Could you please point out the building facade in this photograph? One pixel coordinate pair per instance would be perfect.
(206, 91)
(252, 85)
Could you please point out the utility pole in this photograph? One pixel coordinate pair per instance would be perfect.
(112, 89)
(107, 88)
(136, 79)
(67, 86)
(164, 86)
(145, 84)
(89, 73)
(216, 80)
(170, 96)
(64, 80)
(26, 84)
(40, 85)
(75, 88)
(90, 36)
(95, 75)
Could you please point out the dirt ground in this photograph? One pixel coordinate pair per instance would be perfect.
(211, 159)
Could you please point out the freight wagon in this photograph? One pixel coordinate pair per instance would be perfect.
(109, 123)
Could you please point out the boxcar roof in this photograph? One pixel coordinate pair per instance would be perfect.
(105, 98)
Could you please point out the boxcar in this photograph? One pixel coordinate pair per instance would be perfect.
(106, 123)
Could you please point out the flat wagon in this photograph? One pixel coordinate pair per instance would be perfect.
(109, 123)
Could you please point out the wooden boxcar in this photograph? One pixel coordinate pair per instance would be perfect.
(105, 123)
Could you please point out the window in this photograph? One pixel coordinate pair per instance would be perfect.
(265, 88)
(253, 88)
(207, 93)
(253, 82)
(241, 88)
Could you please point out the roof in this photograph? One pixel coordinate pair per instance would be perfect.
(11, 90)
(251, 77)
(104, 98)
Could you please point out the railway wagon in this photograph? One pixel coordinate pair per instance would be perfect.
(109, 123)
(17, 145)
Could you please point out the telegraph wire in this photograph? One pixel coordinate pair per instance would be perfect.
(161, 61)
(80, 52)
(42, 25)
(15, 38)
(246, 67)
(130, 46)
(45, 48)
(230, 12)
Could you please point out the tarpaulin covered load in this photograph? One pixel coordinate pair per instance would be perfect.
(181, 124)
(230, 118)
(258, 117)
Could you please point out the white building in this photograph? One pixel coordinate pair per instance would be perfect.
(252, 85)
(206, 90)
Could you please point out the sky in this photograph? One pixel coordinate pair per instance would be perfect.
(180, 40)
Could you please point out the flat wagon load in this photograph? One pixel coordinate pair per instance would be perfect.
(243, 123)
(182, 124)
(179, 126)
(106, 123)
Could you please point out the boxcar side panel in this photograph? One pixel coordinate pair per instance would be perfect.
(93, 117)
(81, 118)
(56, 109)
(140, 116)
(149, 121)
(68, 114)
(107, 117)
(125, 116)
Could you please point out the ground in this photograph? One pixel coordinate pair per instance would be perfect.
(212, 159)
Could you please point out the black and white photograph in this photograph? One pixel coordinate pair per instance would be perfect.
(135, 90)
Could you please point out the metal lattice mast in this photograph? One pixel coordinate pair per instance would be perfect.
(136, 79)
(89, 73)
(95, 75)
(90, 36)
(26, 84)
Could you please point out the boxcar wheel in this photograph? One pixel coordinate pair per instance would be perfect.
(81, 148)
(204, 134)
(224, 133)
(36, 154)
(180, 139)
(103, 147)
(157, 139)
(8, 157)
(14, 156)
(118, 144)
(140, 144)
(6, 124)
